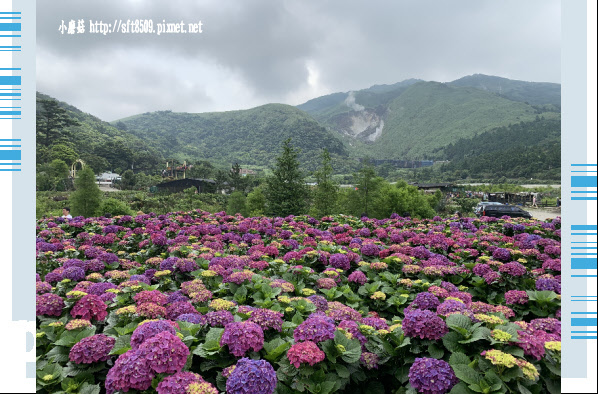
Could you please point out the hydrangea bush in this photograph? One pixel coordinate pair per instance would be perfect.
(194, 302)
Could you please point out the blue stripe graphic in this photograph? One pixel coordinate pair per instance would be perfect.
(583, 227)
(583, 181)
(10, 80)
(10, 27)
(10, 154)
(584, 322)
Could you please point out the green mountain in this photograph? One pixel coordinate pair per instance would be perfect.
(534, 93)
(98, 143)
(523, 150)
(251, 136)
(412, 119)
(471, 117)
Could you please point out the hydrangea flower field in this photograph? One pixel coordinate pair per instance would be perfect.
(211, 303)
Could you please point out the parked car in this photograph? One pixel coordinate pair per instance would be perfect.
(480, 207)
(497, 211)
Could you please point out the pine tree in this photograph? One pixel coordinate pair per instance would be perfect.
(237, 203)
(326, 190)
(286, 192)
(52, 122)
(256, 202)
(87, 198)
(237, 181)
(364, 181)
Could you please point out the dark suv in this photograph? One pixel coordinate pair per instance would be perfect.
(497, 211)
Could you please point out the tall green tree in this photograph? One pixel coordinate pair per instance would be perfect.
(256, 202)
(128, 180)
(236, 180)
(52, 122)
(365, 182)
(87, 198)
(237, 203)
(326, 192)
(286, 191)
(401, 198)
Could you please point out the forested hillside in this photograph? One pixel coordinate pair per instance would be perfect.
(66, 133)
(251, 136)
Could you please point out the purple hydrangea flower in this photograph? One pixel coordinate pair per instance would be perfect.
(267, 318)
(319, 301)
(42, 287)
(370, 250)
(339, 260)
(168, 263)
(219, 318)
(177, 383)
(516, 297)
(492, 277)
(377, 322)
(148, 330)
(73, 273)
(448, 286)
(178, 308)
(548, 284)
(369, 360)
(176, 296)
(357, 277)
(305, 352)
(94, 265)
(315, 329)
(48, 304)
(140, 278)
(450, 306)
(154, 296)
(242, 336)
(424, 300)
(90, 307)
(501, 254)
(185, 265)
(92, 349)
(164, 352)
(193, 318)
(547, 324)
(513, 268)
(481, 269)
(252, 376)
(424, 324)
(130, 371)
(431, 376)
(100, 288)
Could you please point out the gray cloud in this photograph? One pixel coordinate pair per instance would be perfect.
(254, 52)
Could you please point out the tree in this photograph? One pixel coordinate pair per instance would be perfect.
(365, 184)
(202, 169)
(59, 172)
(51, 122)
(401, 198)
(64, 152)
(237, 204)
(286, 192)
(256, 202)
(87, 198)
(326, 190)
(128, 180)
(237, 182)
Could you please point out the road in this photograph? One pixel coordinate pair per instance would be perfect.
(544, 213)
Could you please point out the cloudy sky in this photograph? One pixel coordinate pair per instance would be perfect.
(253, 52)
